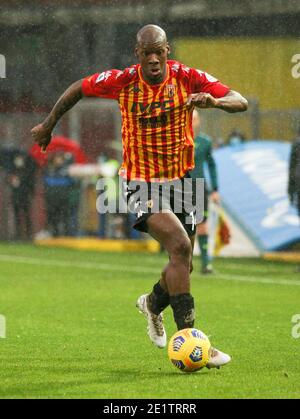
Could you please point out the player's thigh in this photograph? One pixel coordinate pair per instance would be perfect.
(166, 228)
(192, 239)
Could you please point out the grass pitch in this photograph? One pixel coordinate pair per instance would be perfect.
(73, 330)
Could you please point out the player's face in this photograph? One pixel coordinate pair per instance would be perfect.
(153, 58)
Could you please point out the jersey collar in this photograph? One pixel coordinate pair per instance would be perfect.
(157, 84)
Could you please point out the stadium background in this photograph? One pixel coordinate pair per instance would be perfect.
(49, 44)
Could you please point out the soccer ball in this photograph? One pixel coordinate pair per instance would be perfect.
(189, 350)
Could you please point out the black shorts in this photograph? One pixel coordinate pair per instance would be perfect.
(180, 201)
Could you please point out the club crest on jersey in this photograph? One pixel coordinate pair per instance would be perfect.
(170, 90)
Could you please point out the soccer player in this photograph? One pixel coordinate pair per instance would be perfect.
(156, 98)
(203, 155)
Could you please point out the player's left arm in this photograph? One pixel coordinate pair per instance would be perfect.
(231, 102)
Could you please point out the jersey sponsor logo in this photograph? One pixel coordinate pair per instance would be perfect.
(153, 122)
(103, 76)
(150, 107)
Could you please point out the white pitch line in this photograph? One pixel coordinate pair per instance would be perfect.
(67, 264)
(136, 269)
(240, 278)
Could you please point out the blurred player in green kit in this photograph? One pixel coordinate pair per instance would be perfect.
(203, 156)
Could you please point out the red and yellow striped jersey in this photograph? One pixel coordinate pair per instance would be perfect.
(157, 132)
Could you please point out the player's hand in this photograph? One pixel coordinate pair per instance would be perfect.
(215, 197)
(42, 135)
(202, 100)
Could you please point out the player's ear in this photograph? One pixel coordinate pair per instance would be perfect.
(136, 52)
(168, 49)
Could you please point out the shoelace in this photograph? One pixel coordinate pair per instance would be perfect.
(157, 321)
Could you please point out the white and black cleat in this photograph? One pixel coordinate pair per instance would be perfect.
(156, 330)
(217, 359)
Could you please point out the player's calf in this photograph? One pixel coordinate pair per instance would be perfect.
(158, 300)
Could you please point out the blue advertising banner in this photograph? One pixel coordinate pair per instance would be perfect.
(253, 181)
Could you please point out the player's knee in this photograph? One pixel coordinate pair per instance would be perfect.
(182, 249)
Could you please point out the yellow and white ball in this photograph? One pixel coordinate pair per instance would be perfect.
(189, 350)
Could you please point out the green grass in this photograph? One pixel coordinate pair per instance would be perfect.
(73, 330)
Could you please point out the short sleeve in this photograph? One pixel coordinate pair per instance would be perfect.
(204, 82)
(107, 84)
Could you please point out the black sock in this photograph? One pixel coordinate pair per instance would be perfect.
(183, 310)
(159, 299)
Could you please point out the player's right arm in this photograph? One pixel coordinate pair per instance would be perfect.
(42, 132)
(106, 85)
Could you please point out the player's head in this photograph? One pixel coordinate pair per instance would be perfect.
(196, 122)
(152, 51)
